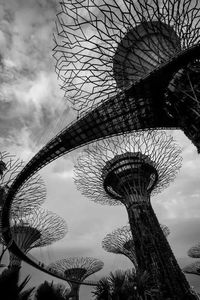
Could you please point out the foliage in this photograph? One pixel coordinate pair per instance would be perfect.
(123, 285)
(11, 289)
(51, 292)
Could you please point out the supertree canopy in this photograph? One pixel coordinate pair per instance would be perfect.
(194, 251)
(31, 194)
(120, 241)
(193, 268)
(151, 147)
(145, 51)
(128, 169)
(38, 229)
(77, 269)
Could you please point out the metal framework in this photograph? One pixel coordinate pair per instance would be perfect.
(77, 268)
(38, 229)
(133, 108)
(31, 194)
(105, 47)
(126, 170)
(155, 146)
(193, 268)
(120, 241)
(194, 251)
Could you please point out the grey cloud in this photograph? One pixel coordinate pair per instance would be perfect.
(26, 28)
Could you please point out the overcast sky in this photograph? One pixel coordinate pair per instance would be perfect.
(32, 109)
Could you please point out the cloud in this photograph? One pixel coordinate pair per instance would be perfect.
(30, 98)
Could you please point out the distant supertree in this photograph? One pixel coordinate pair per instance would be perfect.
(126, 170)
(38, 229)
(194, 251)
(145, 52)
(31, 194)
(193, 268)
(120, 241)
(77, 269)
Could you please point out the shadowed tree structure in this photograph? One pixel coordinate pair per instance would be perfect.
(127, 170)
(31, 194)
(120, 241)
(77, 268)
(193, 268)
(147, 51)
(38, 229)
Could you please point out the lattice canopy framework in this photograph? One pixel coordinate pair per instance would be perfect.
(193, 268)
(103, 48)
(77, 268)
(127, 169)
(120, 241)
(194, 251)
(38, 229)
(153, 147)
(31, 194)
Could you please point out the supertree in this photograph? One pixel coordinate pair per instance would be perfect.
(77, 269)
(120, 241)
(143, 53)
(126, 170)
(38, 229)
(194, 251)
(31, 194)
(193, 268)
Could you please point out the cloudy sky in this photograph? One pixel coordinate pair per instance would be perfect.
(32, 109)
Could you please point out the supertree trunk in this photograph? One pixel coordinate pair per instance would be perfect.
(154, 254)
(74, 295)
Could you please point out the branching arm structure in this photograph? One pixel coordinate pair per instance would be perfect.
(105, 47)
(77, 268)
(32, 192)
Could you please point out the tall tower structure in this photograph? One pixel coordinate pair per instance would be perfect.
(120, 241)
(77, 269)
(143, 53)
(127, 170)
(38, 229)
